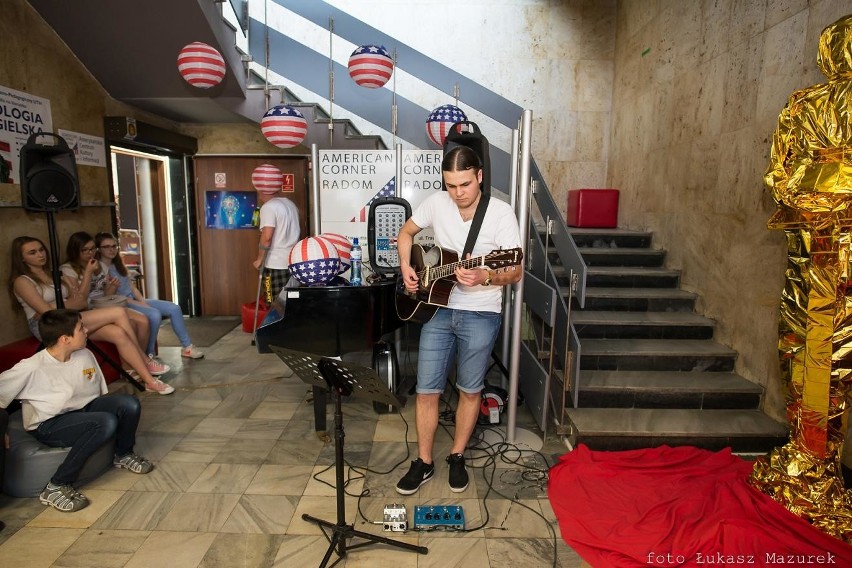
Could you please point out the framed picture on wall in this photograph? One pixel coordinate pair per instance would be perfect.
(230, 209)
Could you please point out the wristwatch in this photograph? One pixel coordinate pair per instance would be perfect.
(487, 281)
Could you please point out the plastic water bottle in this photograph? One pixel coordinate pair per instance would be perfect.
(355, 259)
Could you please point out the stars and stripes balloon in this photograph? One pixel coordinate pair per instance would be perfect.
(284, 126)
(314, 261)
(440, 121)
(267, 179)
(370, 66)
(201, 65)
(343, 247)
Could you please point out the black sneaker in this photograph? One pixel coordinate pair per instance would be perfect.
(419, 474)
(458, 474)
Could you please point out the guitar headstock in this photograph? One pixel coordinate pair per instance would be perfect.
(503, 258)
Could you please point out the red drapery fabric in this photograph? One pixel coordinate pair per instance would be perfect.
(680, 506)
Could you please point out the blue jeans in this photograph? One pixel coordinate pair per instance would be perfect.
(87, 429)
(470, 336)
(155, 311)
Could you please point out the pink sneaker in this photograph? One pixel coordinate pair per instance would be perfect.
(156, 368)
(191, 352)
(159, 387)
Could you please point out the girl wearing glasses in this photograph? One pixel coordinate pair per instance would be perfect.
(154, 310)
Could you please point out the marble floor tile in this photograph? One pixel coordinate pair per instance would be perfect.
(100, 501)
(102, 548)
(177, 549)
(196, 449)
(323, 481)
(177, 422)
(324, 508)
(458, 553)
(522, 519)
(530, 553)
(170, 476)
(295, 452)
(394, 430)
(137, 510)
(275, 410)
(380, 554)
(224, 478)
(155, 447)
(280, 480)
(387, 455)
(224, 427)
(354, 453)
(261, 429)
(198, 512)
(245, 451)
(302, 550)
(37, 547)
(242, 550)
(112, 479)
(261, 514)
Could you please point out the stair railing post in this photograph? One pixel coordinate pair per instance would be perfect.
(513, 201)
(518, 297)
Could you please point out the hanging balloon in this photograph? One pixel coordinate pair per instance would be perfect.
(201, 65)
(284, 126)
(440, 121)
(370, 66)
(314, 261)
(267, 179)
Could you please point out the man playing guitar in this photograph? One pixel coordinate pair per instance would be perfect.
(467, 328)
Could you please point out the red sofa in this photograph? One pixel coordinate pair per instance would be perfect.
(13, 352)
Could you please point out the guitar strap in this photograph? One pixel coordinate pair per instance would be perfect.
(478, 216)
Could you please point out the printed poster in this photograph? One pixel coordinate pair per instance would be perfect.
(21, 114)
(88, 150)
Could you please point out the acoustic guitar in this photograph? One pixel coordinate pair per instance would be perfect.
(436, 269)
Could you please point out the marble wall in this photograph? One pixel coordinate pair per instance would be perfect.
(697, 91)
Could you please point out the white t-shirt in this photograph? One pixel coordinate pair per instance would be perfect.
(283, 216)
(98, 282)
(499, 231)
(48, 387)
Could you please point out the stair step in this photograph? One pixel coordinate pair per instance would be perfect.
(667, 389)
(624, 276)
(619, 256)
(609, 238)
(656, 354)
(608, 324)
(637, 299)
(623, 429)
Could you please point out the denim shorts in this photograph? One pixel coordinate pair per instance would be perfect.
(456, 334)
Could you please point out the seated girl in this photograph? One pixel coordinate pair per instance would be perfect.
(154, 310)
(80, 254)
(31, 284)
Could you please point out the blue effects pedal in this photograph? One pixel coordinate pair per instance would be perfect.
(429, 517)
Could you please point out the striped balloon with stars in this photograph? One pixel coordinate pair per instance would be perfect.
(284, 126)
(441, 120)
(201, 65)
(267, 179)
(370, 66)
(314, 261)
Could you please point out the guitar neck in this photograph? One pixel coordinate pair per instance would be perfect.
(446, 270)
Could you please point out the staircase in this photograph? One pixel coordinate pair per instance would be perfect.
(650, 372)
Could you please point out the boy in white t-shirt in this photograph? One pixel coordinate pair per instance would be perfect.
(61, 389)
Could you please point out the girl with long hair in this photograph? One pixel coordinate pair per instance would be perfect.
(154, 310)
(81, 265)
(31, 287)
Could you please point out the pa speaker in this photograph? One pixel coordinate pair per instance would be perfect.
(48, 175)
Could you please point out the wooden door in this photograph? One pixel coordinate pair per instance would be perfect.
(227, 278)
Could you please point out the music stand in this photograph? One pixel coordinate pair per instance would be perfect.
(343, 379)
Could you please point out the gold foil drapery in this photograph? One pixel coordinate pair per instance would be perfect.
(810, 177)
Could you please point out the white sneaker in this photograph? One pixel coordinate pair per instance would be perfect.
(191, 352)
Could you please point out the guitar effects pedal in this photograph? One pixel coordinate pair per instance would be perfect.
(448, 517)
(396, 518)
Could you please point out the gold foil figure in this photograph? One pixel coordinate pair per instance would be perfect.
(810, 177)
